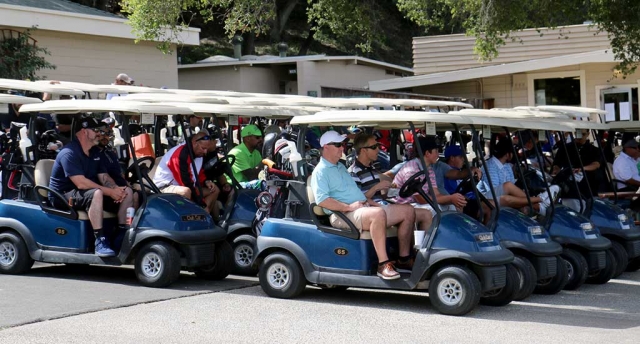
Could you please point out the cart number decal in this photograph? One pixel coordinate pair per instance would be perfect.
(195, 217)
(61, 231)
(341, 251)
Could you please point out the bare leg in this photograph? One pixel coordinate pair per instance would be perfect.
(424, 218)
(126, 203)
(95, 210)
(404, 217)
(374, 219)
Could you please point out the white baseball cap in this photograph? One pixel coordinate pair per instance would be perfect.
(125, 78)
(331, 136)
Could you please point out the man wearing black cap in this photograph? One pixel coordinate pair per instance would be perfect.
(79, 175)
(625, 167)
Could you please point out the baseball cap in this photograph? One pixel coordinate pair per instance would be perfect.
(331, 136)
(88, 123)
(250, 130)
(631, 143)
(125, 78)
(453, 150)
(428, 143)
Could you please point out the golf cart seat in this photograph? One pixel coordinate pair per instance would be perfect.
(42, 175)
(321, 219)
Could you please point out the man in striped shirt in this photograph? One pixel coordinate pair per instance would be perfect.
(374, 184)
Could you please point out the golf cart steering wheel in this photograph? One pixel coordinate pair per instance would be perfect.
(146, 162)
(412, 185)
(228, 159)
(562, 176)
(465, 185)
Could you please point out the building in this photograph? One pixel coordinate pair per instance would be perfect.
(89, 45)
(303, 75)
(572, 65)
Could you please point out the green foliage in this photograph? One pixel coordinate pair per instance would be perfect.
(20, 57)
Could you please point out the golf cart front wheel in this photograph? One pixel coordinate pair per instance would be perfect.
(157, 264)
(221, 268)
(604, 275)
(577, 268)
(281, 276)
(555, 284)
(527, 276)
(14, 256)
(622, 257)
(503, 296)
(454, 290)
(244, 249)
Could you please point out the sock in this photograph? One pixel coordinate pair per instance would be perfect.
(98, 233)
(383, 263)
(404, 259)
(122, 227)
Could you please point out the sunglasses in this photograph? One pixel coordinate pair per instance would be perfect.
(204, 138)
(336, 144)
(374, 146)
(99, 131)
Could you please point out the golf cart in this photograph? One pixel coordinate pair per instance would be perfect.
(168, 233)
(458, 263)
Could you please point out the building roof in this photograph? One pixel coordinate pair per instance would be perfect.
(60, 5)
(599, 56)
(251, 60)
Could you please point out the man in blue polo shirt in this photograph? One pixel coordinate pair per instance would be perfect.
(335, 190)
(81, 178)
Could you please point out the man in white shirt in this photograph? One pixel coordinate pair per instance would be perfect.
(121, 79)
(625, 167)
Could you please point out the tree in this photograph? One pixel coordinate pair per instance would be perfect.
(20, 57)
(493, 22)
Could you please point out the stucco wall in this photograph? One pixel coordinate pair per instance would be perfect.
(96, 59)
(221, 78)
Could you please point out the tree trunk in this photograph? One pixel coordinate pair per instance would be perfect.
(249, 46)
(304, 48)
(282, 18)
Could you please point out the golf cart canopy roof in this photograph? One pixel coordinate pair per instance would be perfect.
(13, 99)
(132, 89)
(378, 118)
(511, 119)
(21, 85)
(84, 105)
(624, 126)
(83, 86)
(165, 97)
(206, 110)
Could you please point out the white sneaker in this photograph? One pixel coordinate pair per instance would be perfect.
(544, 198)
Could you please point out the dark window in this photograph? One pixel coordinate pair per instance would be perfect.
(557, 91)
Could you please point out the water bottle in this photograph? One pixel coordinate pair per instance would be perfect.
(130, 214)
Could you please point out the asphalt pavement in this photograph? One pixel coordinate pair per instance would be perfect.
(56, 304)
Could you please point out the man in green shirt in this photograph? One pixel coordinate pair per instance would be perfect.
(248, 160)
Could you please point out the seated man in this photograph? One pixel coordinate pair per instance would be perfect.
(429, 147)
(503, 181)
(175, 174)
(335, 190)
(216, 174)
(248, 163)
(625, 168)
(372, 182)
(79, 175)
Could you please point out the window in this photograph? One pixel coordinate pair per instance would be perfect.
(557, 91)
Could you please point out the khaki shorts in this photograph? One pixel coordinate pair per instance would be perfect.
(172, 189)
(354, 216)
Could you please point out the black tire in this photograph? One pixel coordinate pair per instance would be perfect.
(221, 268)
(244, 249)
(506, 294)
(622, 258)
(14, 255)
(577, 268)
(454, 290)
(604, 275)
(634, 265)
(527, 275)
(555, 284)
(281, 276)
(157, 264)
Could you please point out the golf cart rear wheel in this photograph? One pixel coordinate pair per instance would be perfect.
(244, 249)
(281, 276)
(577, 268)
(157, 264)
(604, 275)
(622, 258)
(634, 265)
(14, 256)
(506, 294)
(454, 290)
(221, 268)
(527, 276)
(555, 284)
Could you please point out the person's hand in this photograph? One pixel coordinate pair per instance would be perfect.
(355, 206)
(382, 185)
(210, 185)
(226, 187)
(458, 200)
(373, 203)
(118, 194)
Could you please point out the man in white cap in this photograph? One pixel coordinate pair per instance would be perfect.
(335, 190)
(121, 79)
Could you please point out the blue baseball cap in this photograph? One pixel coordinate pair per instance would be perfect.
(453, 151)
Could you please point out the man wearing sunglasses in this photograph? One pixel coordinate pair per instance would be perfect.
(335, 190)
(79, 175)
